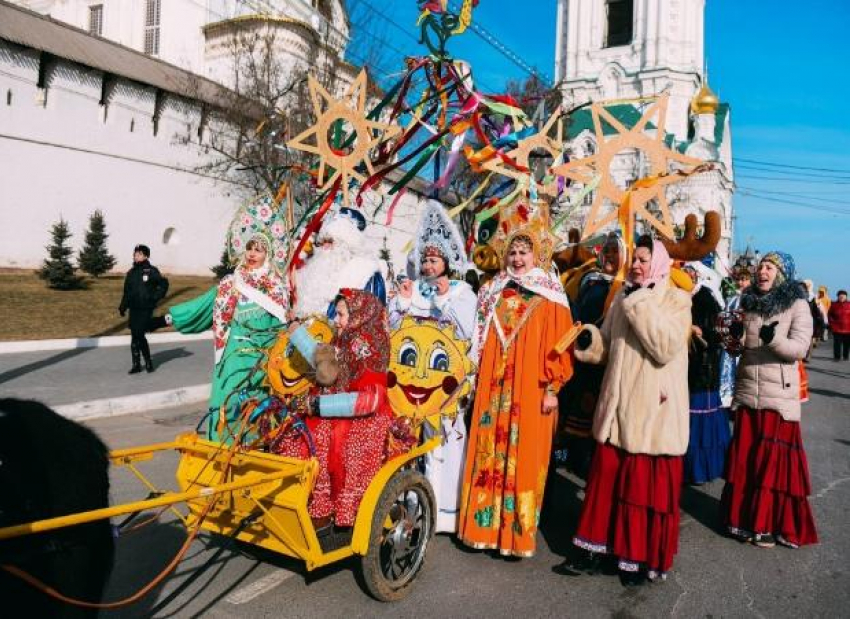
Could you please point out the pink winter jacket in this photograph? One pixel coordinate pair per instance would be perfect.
(768, 377)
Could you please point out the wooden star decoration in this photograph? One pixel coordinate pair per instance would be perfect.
(366, 134)
(522, 153)
(599, 164)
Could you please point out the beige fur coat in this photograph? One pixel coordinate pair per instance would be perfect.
(643, 407)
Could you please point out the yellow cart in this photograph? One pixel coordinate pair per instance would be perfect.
(261, 499)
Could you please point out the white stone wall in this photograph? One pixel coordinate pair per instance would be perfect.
(182, 40)
(65, 155)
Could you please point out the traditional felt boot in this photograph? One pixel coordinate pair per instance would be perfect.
(137, 359)
(146, 353)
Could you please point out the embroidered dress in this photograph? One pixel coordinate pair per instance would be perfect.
(510, 437)
(246, 310)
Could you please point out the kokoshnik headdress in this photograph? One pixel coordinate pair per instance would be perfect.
(520, 219)
(259, 219)
(438, 233)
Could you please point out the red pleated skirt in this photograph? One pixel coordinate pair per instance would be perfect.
(631, 508)
(767, 479)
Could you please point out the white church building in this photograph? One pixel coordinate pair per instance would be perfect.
(97, 100)
(629, 49)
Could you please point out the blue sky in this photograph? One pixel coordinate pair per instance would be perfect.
(783, 72)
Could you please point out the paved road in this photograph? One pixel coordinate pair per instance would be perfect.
(84, 374)
(713, 575)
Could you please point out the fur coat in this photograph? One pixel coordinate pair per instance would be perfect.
(643, 407)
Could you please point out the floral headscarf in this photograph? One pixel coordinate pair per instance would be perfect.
(364, 345)
(262, 286)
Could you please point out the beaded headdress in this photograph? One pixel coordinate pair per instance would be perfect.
(259, 219)
(437, 234)
(520, 219)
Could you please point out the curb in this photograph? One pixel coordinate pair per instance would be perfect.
(7, 348)
(125, 405)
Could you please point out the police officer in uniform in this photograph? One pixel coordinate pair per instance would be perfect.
(144, 287)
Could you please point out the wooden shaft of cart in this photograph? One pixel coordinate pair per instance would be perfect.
(125, 456)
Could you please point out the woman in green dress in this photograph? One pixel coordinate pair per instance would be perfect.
(246, 310)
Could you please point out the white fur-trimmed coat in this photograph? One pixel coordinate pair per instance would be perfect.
(643, 407)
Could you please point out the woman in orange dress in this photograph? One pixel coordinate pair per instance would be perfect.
(522, 313)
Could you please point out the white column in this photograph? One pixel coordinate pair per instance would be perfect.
(559, 40)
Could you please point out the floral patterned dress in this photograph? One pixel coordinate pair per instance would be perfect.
(243, 329)
(510, 437)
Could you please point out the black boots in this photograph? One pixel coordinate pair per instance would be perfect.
(139, 350)
(137, 359)
(146, 353)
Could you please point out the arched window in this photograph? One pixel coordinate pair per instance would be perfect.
(170, 237)
(619, 22)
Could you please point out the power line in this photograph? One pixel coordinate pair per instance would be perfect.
(793, 167)
(788, 179)
(816, 207)
(503, 49)
(785, 193)
(407, 33)
(795, 173)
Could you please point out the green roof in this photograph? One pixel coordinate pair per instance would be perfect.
(582, 120)
(629, 115)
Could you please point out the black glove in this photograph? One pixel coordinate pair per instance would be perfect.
(736, 330)
(584, 340)
(767, 332)
(122, 312)
(157, 322)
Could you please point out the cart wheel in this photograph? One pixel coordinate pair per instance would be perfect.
(402, 526)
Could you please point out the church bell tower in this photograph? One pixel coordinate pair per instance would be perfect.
(612, 49)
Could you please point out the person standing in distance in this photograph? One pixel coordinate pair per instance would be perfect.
(144, 287)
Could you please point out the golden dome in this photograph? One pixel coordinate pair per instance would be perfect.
(705, 101)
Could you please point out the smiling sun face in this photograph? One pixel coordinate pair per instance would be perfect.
(287, 372)
(427, 370)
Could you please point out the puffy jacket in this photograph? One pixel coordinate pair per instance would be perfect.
(643, 406)
(144, 287)
(839, 317)
(768, 377)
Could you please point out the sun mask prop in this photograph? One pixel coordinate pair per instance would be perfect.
(288, 373)
(428, 370)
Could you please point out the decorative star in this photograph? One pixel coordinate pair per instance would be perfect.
(522, 153)
(651, 188)
(367, 134)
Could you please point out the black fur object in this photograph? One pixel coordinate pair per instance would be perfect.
(773, 302)
(51, 466)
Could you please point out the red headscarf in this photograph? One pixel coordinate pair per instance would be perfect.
(363, 347)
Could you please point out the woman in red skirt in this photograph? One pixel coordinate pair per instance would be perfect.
(765, 499)
(641, 423)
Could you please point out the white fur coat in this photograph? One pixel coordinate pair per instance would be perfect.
(643, 407)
